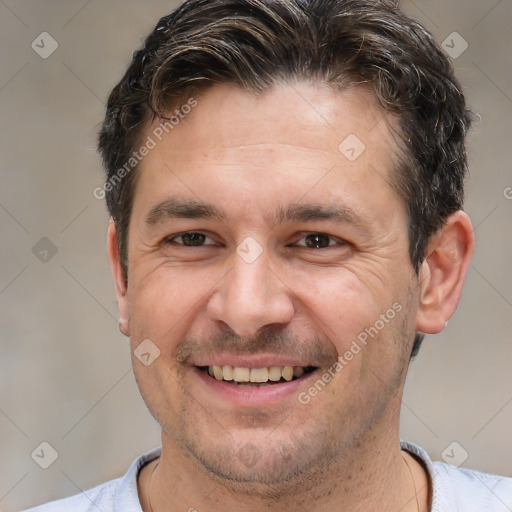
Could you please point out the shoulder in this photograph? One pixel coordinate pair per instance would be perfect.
(472, 490)
(115, 495)
(100, 497)
(465, 490)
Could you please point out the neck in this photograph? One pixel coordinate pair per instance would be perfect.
(367, 475)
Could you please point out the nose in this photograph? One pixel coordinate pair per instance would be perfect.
(250, 297)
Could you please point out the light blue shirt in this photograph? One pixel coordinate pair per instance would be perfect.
(454, 490)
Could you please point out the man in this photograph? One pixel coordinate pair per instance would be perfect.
(285, 180)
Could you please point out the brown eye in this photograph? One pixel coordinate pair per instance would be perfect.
(316, 241)
(190, 239)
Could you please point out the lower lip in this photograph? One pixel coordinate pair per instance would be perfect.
(252, 396)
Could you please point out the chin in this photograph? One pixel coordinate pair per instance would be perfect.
(262, 463)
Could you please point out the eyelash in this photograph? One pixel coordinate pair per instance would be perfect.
(171, 240)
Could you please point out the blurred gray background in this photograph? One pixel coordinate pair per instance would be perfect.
(65, 369)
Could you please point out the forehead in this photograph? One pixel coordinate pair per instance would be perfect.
(305, 114)
(285, 140)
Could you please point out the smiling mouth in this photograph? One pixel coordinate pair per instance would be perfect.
(256, 377)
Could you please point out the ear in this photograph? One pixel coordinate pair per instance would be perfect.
(443, 272)
(119, 279)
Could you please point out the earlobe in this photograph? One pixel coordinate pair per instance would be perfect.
(443, 272)
(120, 280)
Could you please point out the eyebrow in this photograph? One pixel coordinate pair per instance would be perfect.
(174, 208)
(311, 212)
(183, 209)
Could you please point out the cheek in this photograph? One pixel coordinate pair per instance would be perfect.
(163, 299)
(365, 319)
(343, 304)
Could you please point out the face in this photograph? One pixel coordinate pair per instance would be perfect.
(265, 243)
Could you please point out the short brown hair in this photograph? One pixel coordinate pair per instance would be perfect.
(255, 44)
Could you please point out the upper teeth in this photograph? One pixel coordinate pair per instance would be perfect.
(242, 374)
